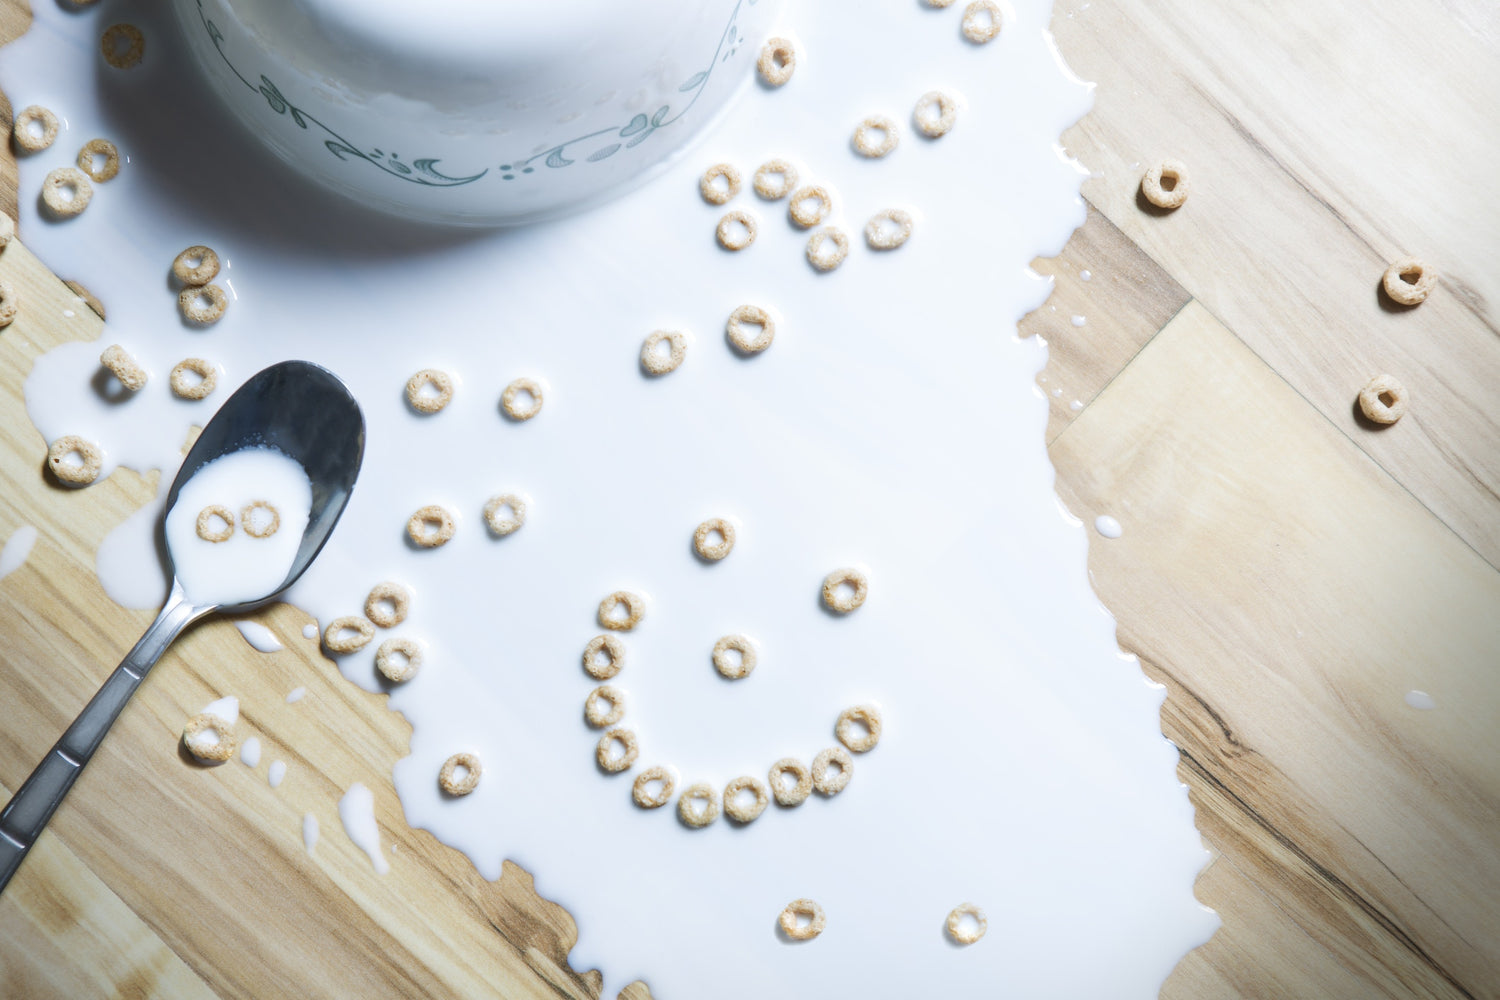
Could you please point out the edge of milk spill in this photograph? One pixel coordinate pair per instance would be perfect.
(893, 424)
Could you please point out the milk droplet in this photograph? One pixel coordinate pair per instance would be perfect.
(258, 636)
(357, 811)
(295, 695)
(1085, 275)
(227, 708)
(250, 752)
(1108, 526)
(1420, 699)
(17, 548)
(1076, 405)
(310, 631)
(1079, 320)
(309, 831)
(278, 771)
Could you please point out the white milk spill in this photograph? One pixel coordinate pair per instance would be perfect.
(295, 695)
(258, 636)
(309, 631)
(1108, 526)
(276, 773)
(1420, 700)
(893, 424)
(250, 752)
(227, 709)
(357, 811)
(17, 548)
(309, 831)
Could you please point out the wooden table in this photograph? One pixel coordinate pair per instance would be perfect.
(1287, 570)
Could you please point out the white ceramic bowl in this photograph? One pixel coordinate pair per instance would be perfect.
(476, 111)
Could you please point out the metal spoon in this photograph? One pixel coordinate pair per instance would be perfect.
(300, 410)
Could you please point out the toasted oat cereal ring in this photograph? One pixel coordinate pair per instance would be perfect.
(766, 184)
(934, 114)
(194, 737)
(118, 360)
(1166, 185)
(260, 527)
(630, 750)
(848, 728)
(613, 651)
(777, 61)
(797, 911)
(197, 265)
(1408, 281)
(967, 932)
(798, 211)
(865, 138)
(441, 394)
(1383, 399)
(8, 305)
(831, 771)
(822, 258)
(635, 609)
(398, 659)
(66, 192)
(736, 231)
(887, 230)
(430, 526)
(29, 140)
(100, 159)
(604, 706)
(794, 794)
(122, 45)
(835, 581)
(641, 790)
(7, 230)
(514, 406)
(494, 513)
(80, 473)
(726, 664)
(709, 186)
(739, 336)
(698, 805)
(652, 358)
(210, 532)
(451, 782)
(743, 812)
(185, 387)
(348, 634)
(202, 305)
(982, 21)
(387, 604)
(704, 544)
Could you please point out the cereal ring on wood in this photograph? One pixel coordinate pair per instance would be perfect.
(208, 530)
(517, 408)
(429, 390)
(641, 790)
(120, 364)
(822, 258)
(1408, 281)
(202, 305)
(195, 737)
(31, 139)
(94, 151)
(604, 706)
(197, 265)
(726, 665)
(7, 230)
(348, 634)
(831, 771)
(182, 381)
(709, 186)
(848, 728)
(777, 61)
(398, 659)
(387, 604)
(703, 539)
(698, 805)
(834, 583)
(634, 607)
(798, 211)
(736, 231)
(934, 114)
(80, 473)
(766, 184)
(865, 138)
(887, 230)
(1383, 399)
(630, 749)
(968, 933)
(257, 526)
(430, 526)
(796, 912)
(8, 304)
(451, 782)
(796, 793)
(652, 358)
(122, 45)
(613, 651)
(981, 21)
(494, 509)
(742, 812)
(1165, 185)
(66, 192)
(747, 316)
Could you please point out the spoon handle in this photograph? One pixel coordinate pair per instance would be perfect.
(22, 820)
